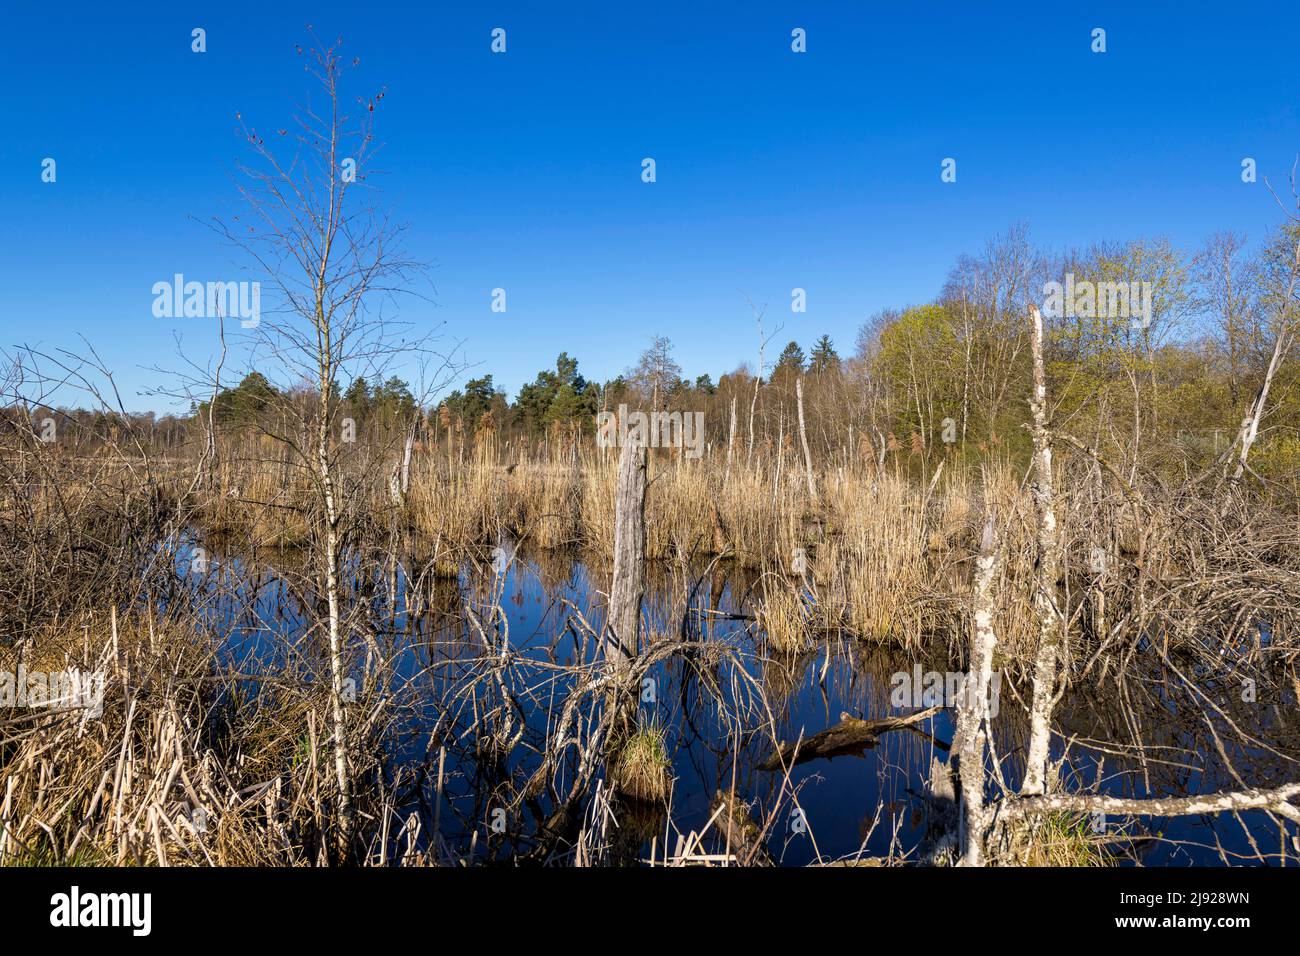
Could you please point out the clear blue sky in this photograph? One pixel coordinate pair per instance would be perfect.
(522, 170)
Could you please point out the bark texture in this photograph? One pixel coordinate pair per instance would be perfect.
(803, 440)
(1048, 564)
(628, 587)
(973, 706)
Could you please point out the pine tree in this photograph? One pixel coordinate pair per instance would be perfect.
(791, 360)
(824, 357)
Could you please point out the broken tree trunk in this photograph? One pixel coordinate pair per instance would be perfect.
(721, 536)
(406, 460)
(1249, 429)
(1250, 425)
(850, 735)
(803, 440)
(628, 586)
(731, 441)
(973, 704)
(1048, 562)
(942, 817)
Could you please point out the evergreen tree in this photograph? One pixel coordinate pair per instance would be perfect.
(789, 364)
(824, 357)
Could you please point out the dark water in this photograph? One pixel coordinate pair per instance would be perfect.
(717, 723)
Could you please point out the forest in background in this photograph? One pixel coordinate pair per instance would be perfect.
(942, 379)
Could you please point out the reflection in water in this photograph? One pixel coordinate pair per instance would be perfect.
(482, 666)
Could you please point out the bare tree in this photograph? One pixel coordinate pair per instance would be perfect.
(1048, 562)
(334, 264)
(656, 371)
(973, 711)
(1225, 290)
(1284, 306)
(758, 372)
(803, 440)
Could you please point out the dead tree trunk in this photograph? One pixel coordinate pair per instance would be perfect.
(753, 404)
(1250, 425)
(628, 586)
(973, 705)
(803, 440)
(731, 440)
(1276, 800)
(406, 460)
(1048, 562)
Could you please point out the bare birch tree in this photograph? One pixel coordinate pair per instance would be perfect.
(1283, 336)
(333, 261)
(803, 440)
(758, 372)
(973, 711)
(1047, 566)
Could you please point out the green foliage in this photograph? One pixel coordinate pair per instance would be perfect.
(790, 362)
(824, 358)
(559, 396)
(243, 404)
(478, 399)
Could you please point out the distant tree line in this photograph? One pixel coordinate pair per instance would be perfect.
(946, 377)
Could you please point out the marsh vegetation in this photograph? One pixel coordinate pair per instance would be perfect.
(343, 618)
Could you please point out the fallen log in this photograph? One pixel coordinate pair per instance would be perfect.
(738, 831)
(850, 735)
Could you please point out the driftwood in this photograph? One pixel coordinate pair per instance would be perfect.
(851, 735)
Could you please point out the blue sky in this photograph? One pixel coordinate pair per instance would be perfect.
(522, 171)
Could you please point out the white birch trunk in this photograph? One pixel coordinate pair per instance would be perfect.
(731, 440)
(1048, 560)
(337, 660)
(406, 461)
(803, 440)
(1250, 425)
(973, 707)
